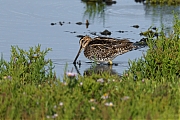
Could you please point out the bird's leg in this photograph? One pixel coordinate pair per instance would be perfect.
(110, 62)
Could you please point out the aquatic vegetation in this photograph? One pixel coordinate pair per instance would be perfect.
(94, 9)
(149, 33)
(162, 58)
(162, 2)
(148, 90)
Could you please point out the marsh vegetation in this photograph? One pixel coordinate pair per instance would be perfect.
(148, 90)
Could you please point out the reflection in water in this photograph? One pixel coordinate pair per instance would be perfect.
(100, 69)
(163, 14)
(97, 69)
(140, 1)
(94, 10)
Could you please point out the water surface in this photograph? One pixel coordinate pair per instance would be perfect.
(28, 23)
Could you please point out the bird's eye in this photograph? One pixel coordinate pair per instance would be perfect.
(80, 41)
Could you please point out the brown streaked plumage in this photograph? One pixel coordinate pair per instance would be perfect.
(103, 49)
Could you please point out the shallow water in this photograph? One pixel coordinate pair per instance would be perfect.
(28, 23)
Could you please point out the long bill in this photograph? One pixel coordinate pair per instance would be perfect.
(77, 55)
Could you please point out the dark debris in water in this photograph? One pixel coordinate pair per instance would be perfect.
(135, 26)
(79, 23)
(121, 31)
(93, 33)
(61, 23)
(106, 32)
(80, 36)
(53, 23)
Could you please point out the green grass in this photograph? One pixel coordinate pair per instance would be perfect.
(148, 90)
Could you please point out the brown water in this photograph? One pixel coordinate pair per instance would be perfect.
(27, 23)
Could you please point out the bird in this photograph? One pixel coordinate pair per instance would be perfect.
(103, 49)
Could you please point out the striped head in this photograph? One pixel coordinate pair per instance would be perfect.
(84, 41)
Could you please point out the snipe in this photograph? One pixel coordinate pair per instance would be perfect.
(103, 49)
